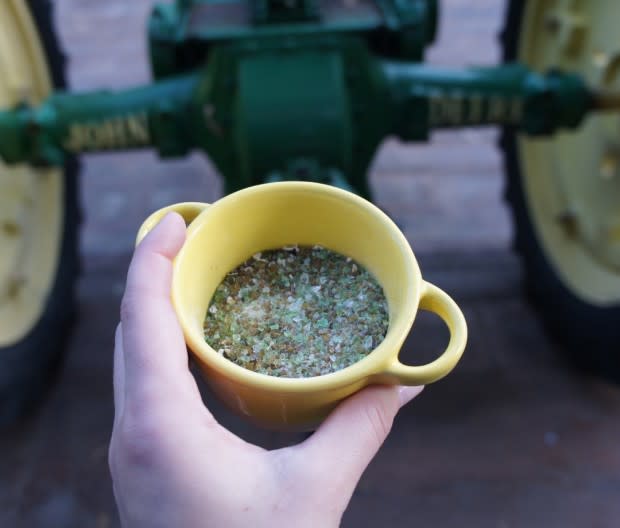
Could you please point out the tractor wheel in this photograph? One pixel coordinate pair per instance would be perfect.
(564, 191)
(38, 222)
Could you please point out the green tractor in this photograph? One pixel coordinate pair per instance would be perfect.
(276, 90)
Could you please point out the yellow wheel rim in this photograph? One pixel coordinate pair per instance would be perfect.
(31, 200)
(572, 181)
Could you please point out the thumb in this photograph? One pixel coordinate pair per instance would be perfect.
(346, 442)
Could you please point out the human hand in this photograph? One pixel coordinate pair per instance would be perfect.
(173, 465)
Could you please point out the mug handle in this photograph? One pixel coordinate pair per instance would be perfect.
(188, 210)
(434, 299)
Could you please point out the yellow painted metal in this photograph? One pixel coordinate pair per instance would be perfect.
(31, 203)
(572, 181)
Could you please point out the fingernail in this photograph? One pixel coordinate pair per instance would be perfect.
(406, 394)
(167, 218)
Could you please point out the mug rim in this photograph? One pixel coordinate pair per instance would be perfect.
(381, 356)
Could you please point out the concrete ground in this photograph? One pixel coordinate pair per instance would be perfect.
(513, 438)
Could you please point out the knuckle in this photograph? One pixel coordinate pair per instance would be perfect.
(128, 306)
(112, 457)
(136, 442)
(379, 421)
(134, 451)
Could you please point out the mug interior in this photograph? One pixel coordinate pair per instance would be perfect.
(274, 215)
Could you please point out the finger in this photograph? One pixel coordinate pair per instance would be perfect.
(155, 356)
(118, 377)
(351, 435)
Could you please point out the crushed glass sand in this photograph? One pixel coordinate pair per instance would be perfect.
(297, 312)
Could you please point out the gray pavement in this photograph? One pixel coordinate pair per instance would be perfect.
(513, 438)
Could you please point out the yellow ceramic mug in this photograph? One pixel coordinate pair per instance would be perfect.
(223, 235)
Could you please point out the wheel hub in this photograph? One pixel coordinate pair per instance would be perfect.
(30, 199)
(572, 181)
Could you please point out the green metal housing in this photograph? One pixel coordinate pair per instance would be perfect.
(291, 89)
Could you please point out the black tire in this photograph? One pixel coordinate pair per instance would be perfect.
(589, 334)
(28, 367)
